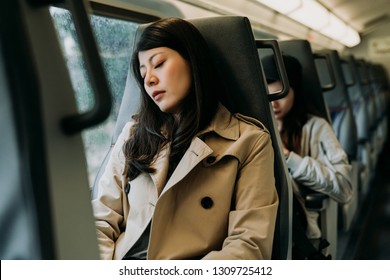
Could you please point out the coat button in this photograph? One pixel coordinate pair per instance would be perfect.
(207, 202)
(211, 159)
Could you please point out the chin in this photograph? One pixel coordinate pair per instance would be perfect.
(168, 110)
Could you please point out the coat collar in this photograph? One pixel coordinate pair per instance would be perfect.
(197, 152)
(223, 123)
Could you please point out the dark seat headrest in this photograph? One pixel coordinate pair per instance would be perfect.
(311, 86)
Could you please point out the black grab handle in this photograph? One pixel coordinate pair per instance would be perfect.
(101, 110)
(102, 107)
(329, 67)
(348, 72)
(273, 44)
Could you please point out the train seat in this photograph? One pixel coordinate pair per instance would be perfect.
(233, 46)
(362, 120)
(377, 82)
(363, 67)
(382, 82)
(343, 122)
(301, 50)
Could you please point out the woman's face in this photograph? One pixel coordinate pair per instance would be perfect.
(167, 77)
(282, 106)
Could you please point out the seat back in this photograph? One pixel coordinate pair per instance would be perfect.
(357, 95)
(339, 105)
(380, 101)
(344, 126)
(234, 50)
(373, 111)
(312, 90)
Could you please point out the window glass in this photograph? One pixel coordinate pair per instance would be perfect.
(114, 39)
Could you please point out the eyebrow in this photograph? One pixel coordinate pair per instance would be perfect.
(150, 59)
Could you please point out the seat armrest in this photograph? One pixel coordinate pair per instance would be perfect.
(316, 201)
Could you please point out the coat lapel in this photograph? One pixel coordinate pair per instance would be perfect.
(223, 124)
(161, 165)
(197, 151)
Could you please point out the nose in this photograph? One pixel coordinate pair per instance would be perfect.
(275, 104)
(151, 80)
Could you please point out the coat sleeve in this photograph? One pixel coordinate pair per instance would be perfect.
(108, 206)
(327, 170)
(252, 219)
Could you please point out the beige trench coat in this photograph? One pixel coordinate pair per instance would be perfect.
(220, 202)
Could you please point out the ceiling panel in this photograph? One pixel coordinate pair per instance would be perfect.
(362, 15)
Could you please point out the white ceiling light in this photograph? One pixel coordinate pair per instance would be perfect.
(282, 6)
(351, 38)
(335, 29)
(313, 15)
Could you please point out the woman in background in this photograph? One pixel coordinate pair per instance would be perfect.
(314, 157)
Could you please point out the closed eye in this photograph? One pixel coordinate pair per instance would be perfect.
(142, 72)
(159, 64)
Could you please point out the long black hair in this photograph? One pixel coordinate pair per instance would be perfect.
(154, 128)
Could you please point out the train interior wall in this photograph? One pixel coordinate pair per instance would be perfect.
(375, 47)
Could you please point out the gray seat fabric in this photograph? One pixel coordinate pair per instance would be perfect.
(358, 95)
(373, 111)
(380, 83)
(339, 106)
(344, 126)
(377, 77)
(368, 93)
(233, 46)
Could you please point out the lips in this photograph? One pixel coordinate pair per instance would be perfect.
(156, 95)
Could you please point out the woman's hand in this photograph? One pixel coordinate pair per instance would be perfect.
(286, 152)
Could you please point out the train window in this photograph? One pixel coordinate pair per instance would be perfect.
(114, 38)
